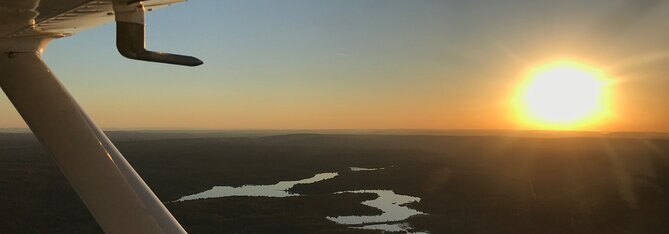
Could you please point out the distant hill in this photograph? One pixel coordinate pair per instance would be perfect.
(138, 134)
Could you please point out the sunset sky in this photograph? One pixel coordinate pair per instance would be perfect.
(366, 64)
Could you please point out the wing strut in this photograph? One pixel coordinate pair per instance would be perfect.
(115, 194)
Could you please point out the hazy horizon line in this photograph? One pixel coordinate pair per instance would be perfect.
(361, 130)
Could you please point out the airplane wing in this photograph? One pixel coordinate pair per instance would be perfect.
(115, 194)
(59, 17)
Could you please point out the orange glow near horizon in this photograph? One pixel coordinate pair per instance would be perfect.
(563, 95)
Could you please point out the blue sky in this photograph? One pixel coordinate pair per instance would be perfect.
(344, 64)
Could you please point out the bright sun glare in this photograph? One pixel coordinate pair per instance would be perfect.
(563, 95)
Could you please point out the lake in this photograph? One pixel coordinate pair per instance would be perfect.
(391, 204)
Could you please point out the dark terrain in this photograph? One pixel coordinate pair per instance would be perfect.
(468, 184)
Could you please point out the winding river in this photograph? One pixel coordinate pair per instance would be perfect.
(275, 190)
(392, 205)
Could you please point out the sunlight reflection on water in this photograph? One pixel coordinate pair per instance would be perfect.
(365, 169)
(275, 190)
(388, 202)
(399, 227)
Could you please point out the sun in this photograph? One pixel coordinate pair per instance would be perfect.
(563, 95)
